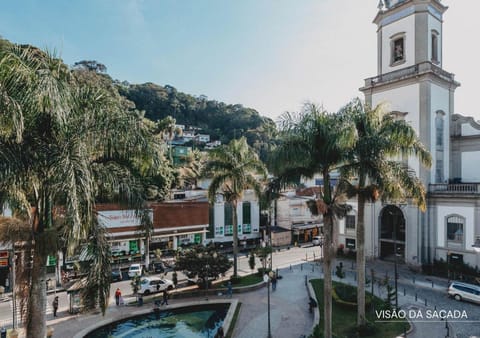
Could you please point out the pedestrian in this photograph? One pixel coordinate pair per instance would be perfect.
(118, 295)
(274, 282)
(229, 289)
(219, 333)
(55, 306)
(165, 297)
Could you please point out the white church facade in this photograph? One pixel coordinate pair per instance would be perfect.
(411, 81)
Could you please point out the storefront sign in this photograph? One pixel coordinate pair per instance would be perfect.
(120, 218)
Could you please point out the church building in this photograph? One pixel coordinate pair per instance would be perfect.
(412, 82)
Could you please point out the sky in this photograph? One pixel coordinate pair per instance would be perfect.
(270, 55)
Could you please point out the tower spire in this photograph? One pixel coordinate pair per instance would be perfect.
(380, 5)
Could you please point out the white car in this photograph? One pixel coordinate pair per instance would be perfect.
(464, 291)
(135, 269)
(317, 240)
(154, 284)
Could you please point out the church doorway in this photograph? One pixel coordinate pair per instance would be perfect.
(392, 233)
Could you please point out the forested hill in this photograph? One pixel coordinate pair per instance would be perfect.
(222, 121)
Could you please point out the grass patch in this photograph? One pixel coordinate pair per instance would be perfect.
(344, 318)
(243, 281)
(234, 321)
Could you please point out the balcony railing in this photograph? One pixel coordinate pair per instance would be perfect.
(457, 188)
(415, 70)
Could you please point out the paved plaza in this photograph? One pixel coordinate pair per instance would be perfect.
(289, 311)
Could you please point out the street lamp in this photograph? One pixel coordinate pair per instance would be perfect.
(207, 266)
(267, 278)
(394, 223)
(14, 293)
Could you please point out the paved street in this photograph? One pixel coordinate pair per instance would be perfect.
(289, 310)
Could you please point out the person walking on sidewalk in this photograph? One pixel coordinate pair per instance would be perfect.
(274, 282)
(55, 306)
(118, 295)
(165, 297)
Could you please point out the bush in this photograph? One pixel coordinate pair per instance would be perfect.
(367, 329)
(235, 280)
(346, 295)
(262, 271)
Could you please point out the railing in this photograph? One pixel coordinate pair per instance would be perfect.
(415, 70)
(458, 188)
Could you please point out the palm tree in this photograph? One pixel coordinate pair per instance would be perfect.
(379, 139)
(234, 168)
(61, 146)
(316, 142)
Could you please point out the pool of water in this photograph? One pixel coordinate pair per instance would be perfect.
(194, 321)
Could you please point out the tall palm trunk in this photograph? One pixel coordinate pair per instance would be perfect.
(235, 237)
(37, 302)
(361, 260)
(328, 256)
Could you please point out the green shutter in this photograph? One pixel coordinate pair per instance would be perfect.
(228, 220)
(247, 213)
(198, 238)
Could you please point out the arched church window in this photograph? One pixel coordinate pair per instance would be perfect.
(439, 148)
(455, 230)
(397, 49)
(435, 53)
(439, 126)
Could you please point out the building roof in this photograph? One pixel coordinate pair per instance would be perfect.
(178, 214)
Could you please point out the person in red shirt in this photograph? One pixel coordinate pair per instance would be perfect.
(118, 294)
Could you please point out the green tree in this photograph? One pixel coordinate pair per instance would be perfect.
(63, 145)
(262, 253)
(202, 262)
(234, 168)
(379, 140)
(316, 142)
(251, 260)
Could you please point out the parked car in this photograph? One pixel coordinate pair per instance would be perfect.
(459, 291)
(157, 267)
(135, 269)
(317, 240)
(154, 284)
(116, 275)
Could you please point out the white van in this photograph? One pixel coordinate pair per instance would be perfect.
(465, 291)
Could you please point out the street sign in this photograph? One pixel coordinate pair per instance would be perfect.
(52, 261)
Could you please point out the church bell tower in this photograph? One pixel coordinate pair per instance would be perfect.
(410, 78)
